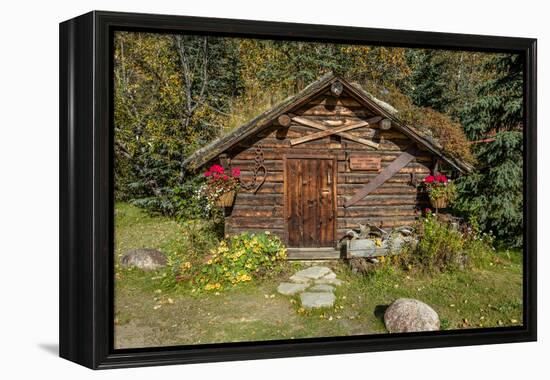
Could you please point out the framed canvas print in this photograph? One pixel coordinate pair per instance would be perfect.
(238, 189)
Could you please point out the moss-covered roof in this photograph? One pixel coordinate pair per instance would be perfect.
(227, 141)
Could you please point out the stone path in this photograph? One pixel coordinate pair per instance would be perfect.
(315, 285)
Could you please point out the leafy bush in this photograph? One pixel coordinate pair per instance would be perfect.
(440, 247)
(445, 246)
(239, 260)
(182, 202)
(187, 201)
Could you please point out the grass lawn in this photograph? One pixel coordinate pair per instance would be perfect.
(147, 314)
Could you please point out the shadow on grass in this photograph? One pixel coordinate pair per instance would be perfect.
(379, 311)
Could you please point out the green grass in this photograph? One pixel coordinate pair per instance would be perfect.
(150, 314)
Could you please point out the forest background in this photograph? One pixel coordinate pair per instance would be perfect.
(176, 93)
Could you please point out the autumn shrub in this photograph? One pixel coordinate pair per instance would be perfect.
(445, 246)
(240, 259)
(434, 125)
(440, 247)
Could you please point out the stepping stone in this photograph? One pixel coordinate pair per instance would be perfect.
(313, 272)
(330, 276)
(289, 289)
(299, 279)
(317, 300)
(322, 288)
(329, 281)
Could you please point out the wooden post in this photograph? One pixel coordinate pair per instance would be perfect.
(224, 160)
(284, 120)
(385, 124)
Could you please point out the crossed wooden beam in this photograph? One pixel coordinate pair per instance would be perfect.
(328, 131)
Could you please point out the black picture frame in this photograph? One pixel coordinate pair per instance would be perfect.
(86, 190)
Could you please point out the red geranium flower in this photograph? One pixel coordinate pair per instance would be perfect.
(208, 173)
(217, 169)
(236, 172)
(441, 178)
(429, 179)
(225, 177)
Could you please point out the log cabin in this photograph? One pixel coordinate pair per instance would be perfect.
(320, 163)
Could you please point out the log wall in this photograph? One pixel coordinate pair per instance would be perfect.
(396, 202)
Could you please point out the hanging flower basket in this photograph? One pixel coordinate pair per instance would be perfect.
(221, 185)
(439, 203)
(440, 190)
(226, 199)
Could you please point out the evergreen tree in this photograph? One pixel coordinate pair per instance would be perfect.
(429, 82)
(493, 194)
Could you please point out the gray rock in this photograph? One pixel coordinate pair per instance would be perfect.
(397, 243)
(330, 276)
(300, 279)
(289, 289)
(329, 281)
(410, 315)
(313, 272)
(143, 258)
(317, 300)
(321, 288)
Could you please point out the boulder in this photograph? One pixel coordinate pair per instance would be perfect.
(143, 258)
(289, 289)
(314, 300)
(410, 315)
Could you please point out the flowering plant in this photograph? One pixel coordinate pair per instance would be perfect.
(240, 259)
(439, 187)
(219, 182)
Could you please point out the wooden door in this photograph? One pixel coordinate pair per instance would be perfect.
(310, 202)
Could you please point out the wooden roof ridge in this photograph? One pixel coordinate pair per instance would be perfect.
(219, 145)
(229, 140)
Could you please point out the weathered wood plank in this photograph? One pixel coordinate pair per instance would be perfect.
(321, 110)
(271, 176)
(275, 165)
(328, 132)
(230, 230)
(257, 211)
(384, 200)
(312, 254)
(326, 202)
(322, 127)
(244, 198)
(388, 172)
(364, 177)
(294, 202)
(310, 203)
(369, 212)
(258, 223)
(384, 221)
(348, 190)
